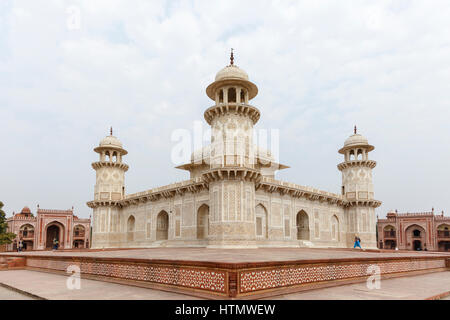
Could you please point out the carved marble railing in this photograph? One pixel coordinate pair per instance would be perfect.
(168, 191)
(295, 190)
(268, 184)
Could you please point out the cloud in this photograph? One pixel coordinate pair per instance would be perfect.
(321, 67)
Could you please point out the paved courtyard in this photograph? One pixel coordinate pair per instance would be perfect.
(53, 287)
(235, 255)
(9, 294)
(418, 287)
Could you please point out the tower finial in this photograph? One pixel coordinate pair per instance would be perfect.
(231, 58)
(110, 131)
(355, 130)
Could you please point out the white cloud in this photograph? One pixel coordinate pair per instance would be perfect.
(321, 67)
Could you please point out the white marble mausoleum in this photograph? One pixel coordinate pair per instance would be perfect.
(232, 198)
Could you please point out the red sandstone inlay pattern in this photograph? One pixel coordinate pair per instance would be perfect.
(251, 281)
(185, 277)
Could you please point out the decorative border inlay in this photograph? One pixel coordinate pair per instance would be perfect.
(178, 276)
(251, 281)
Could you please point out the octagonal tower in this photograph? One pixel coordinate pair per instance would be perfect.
(108, 191)
(232, 175)
(357, 187)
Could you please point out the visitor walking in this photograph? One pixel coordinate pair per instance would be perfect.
(20, 246)
(357, 242)
(55, 244)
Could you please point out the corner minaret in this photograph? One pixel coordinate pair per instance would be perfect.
(357, 189)
(232, 176)
(108, 191)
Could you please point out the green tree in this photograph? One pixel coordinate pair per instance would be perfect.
(5, 236)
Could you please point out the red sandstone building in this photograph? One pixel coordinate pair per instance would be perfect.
(414, 231)
(37, 232)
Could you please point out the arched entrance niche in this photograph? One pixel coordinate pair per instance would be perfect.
(415, 237)
(26, 234)
(131, 228)
(78, 236)
(162, 226)
(203, 222)
(54, 230)
(302, 222)
(335, 228)
(443, 236)
(261, 222)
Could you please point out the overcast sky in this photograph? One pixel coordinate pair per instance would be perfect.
(143, 66)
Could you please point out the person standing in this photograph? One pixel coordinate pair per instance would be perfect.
(357, 242)
(20, 245)
(55, 244)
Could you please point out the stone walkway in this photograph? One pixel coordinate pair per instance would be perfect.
(53, 287)
(235, 255)
(9, 294)
(406, 288)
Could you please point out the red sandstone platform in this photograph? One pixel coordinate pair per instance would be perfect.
(232, 273)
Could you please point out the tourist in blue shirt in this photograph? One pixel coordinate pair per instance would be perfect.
(357, 242)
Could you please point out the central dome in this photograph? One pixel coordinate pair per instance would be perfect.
(231, 72)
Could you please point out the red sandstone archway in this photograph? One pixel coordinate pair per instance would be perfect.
(415, 237)
(54, 230)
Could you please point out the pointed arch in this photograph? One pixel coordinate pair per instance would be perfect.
(79, 230)
(352, 155)
(359, 154)
(203, 222)
(415, 237)
(302, 222)
(107, 156)
(131, 224)
(335, 231)
(261, 221)
(54, 230)
(232, 94)
(26, 231)
(162, 226)
(242, 97)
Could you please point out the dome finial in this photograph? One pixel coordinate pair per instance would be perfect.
(355, 130)
(110, 131)
(231, 58)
